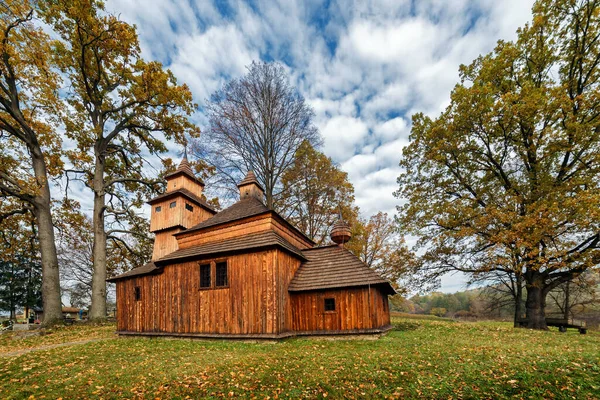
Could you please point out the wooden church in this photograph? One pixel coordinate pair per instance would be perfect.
(244, 272)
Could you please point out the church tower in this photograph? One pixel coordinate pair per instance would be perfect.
(179, 208)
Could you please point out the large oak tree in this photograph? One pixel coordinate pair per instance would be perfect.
(314, 191)
(121, 109)
(507, 177)
(30, 148)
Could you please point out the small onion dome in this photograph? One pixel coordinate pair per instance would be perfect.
(340, 233)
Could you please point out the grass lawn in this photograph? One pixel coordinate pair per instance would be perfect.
(421, 358)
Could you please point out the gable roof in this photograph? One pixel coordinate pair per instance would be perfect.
(247, 242)
(334, 267)
(145, 269)
(242, 209)
(186, 193)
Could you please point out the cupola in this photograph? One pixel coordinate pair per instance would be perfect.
(340, 232)
(249, 187)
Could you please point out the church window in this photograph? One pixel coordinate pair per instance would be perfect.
(157, 209)
(221, 274)
(330, 304)
(205, 276)
(173, 204)
(137, 293)
(189, 207)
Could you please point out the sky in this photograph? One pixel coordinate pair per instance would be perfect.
(364, 67)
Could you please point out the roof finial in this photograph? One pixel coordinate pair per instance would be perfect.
(340, 232)
(185, 150)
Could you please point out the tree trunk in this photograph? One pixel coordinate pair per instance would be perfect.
(518, 301)
(535, 306)
(43, 215)
(98, 308)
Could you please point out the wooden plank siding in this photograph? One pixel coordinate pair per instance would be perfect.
(360, 308)
(178, 216)
(259, 223)
(173, 301)
(255, 303)
(184, 182)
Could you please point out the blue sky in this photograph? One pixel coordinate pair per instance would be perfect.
(365, 67)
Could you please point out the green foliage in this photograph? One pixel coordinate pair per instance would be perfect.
(506, 178)
(314, 190)
(422, 359)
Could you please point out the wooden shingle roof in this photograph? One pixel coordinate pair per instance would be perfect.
(333, 267)
(184, 168)
(249, 179)
(255, 241)
(242, 209)
(145, 269)
(186, 193)
(249, 242)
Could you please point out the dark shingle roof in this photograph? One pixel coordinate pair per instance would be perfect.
(242, 209)
(334, 267)
(254, 241)
(191, 196)
(143, 270)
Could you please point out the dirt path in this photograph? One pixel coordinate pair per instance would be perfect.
(50, 346)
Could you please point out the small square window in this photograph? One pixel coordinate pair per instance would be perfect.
(189, 207)
(157, 209)
(330, 304)
(205, 275)
(221, 272)
(173, 204)
(137, 292)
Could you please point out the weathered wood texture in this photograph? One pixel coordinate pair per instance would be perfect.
(184, 182)
(164, 243)
(259, 223)
(179, 215)
(355, 309)
(172, 301)
(256, 301)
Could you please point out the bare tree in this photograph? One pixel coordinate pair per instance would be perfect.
(257, 123)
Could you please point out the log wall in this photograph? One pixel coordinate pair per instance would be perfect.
(355, 309)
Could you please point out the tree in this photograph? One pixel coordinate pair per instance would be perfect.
(503, 289)
(314, 191)
(257, 122)
(20, 269)
(30, 148)
(377, 243)
(76, 251)
(121, 108)
(572, 298)
(506, 178)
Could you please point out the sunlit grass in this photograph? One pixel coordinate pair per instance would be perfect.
(419, 359)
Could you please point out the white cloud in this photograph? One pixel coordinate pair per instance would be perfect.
(343, 136)
(206, 60)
